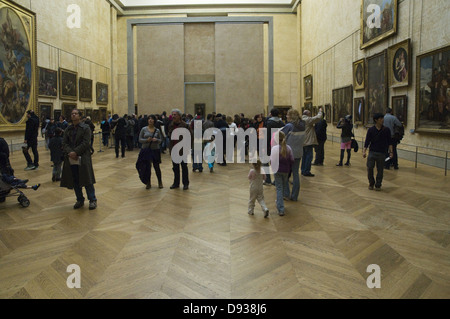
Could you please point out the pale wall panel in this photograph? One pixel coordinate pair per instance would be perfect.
(199, 49)
(160, 65)
(240, 68)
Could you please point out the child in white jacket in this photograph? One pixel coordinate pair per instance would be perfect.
(256, 189)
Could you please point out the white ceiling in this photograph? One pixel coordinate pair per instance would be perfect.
(149, 3)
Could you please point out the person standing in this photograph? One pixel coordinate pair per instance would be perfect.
(310, 140)
(346, 126)
(56, 153)
(120, 134)
(78, 171)
(294, 131)
(390, 121)
(256, 178)
(31, 140)
(379, 141)
(175, 124)
(321, 133)
(150, 138)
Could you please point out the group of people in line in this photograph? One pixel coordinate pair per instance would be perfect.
(292, 143)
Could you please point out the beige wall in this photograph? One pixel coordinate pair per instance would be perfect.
(85, 50)
(330, 43)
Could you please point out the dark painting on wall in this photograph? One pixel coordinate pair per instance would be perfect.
(68, 84)
(359, 75)
(400, 108)
(376, 88)
(433, 92)
(308, 83)
(48, 83)
(45, 110)
(85, 90)
(102, 93)
(342, 103)
(328, 113)
(358, 111)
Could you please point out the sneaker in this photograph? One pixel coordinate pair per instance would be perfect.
(339, 164)
(378, 189)
(30, 167)
(251, 213)
(35, 187)
(266, 213)
(148, 186)
(347, 164)
(78, 204)
(92, 204)
(371, 187)
(281, 213)
(211, 170)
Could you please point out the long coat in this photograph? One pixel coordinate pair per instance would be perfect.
(81, 146)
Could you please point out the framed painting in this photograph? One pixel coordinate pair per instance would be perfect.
(102, 93)
(48, 83)
(359, 76)
(399, 57)
(358, 110)
(342, 103)
(88, 112)
(102, 113)
(376, 87)
(400, 108)
(308, 84)
(67, 110)
(378, 21)
(96, 116)
(18, 74)
(45, 110)
(327, 111)
(57, 114)
(432, 91)
(85, 91)
(68, 86)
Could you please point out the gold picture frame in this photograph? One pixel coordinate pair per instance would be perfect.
(308, 85)
(371, 34)
(431, 100)
(399, 57)
(359, 74)
(68, 84)
(18, 32)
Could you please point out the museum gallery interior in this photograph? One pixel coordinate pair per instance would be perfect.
(340, 240)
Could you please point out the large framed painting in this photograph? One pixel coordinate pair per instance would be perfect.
(45, 110)
(376, 87)
(328, 113)
(378, 21)
(399, 57)
(85, 86)
(18, 68)
(102, 93)
(67, 110)
(48, 83)
(400, 108)
(433, 91)
(358, 110)
(342, 103)
(308, 83)
(308, 107)
(68, 84)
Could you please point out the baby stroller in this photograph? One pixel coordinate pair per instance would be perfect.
(7, 190)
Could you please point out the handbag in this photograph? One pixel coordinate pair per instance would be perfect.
(355, 145)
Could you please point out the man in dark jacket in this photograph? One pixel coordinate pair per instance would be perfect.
(321, 133)
(30, 140)
(120, 135)
(176, 123)
(78, 171)
(273, 122)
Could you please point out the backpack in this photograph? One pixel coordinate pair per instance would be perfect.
(399, 132)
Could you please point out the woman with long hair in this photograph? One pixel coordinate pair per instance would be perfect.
(150, 154)
(282, 153)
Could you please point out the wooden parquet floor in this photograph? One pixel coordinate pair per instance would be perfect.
(201, 243)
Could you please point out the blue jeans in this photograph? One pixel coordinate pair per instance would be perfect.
(307, 159)
(281, 180)
(90, 190)
(295, 181)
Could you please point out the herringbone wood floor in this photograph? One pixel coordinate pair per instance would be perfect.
(201, 243)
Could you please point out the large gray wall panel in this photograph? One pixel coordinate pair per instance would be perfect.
(160, 68)
(240, 68)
